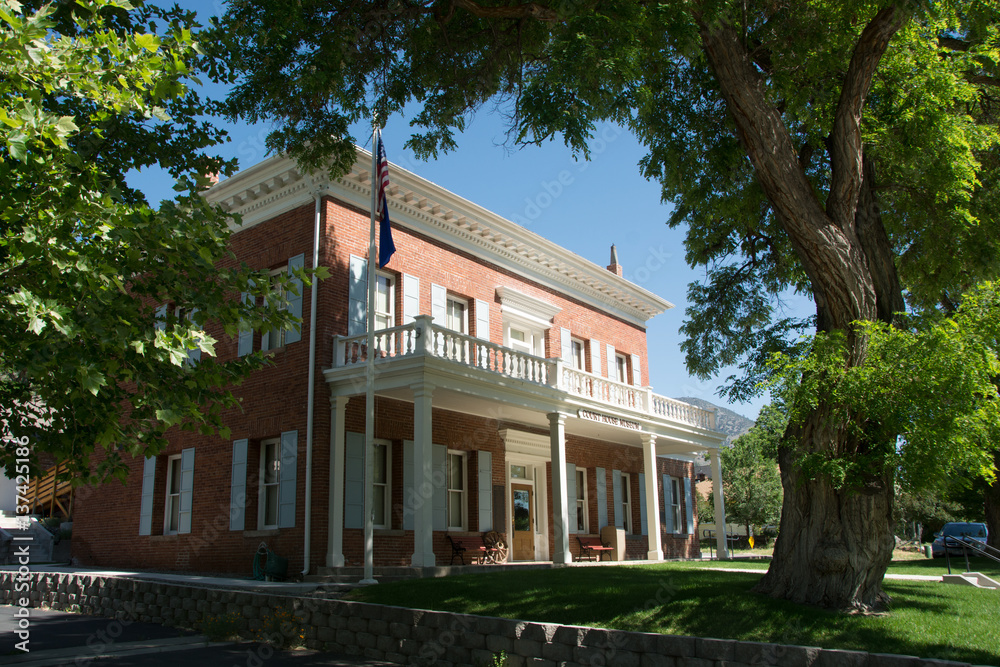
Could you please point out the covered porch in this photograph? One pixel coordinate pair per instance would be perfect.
(536, 406)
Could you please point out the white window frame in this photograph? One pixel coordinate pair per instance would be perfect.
(626, 502)
(621, 368)
(264, 486)
(675, 504)
(172, 499)
(390, 315)
(578, 354)
(270, 338)
(385, 522)
(465, 313)
(462, 492)
(581, 501)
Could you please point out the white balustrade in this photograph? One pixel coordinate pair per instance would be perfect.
(423, 337)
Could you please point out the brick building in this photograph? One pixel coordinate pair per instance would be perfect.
(512, 389)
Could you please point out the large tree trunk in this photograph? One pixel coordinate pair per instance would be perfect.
(992, 505)
(834, 543)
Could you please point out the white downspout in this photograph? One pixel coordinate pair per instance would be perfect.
(312, 388)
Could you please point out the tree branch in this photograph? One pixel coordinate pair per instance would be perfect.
(529, 10)
(845, 144)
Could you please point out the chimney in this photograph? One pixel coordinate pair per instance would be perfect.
(614, 267)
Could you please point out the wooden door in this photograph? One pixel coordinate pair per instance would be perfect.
(522, 520)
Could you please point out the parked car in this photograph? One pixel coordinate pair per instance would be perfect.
(958, 529)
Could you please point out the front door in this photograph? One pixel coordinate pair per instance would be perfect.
(523, 525)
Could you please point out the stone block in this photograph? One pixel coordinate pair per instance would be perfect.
(799, 656)
(399, 630)
(838, 658)
(423, 634)
(325, 634)
(557, 652)
(377, 626)
(715, 649)
(756, 653)
(528, 648)
(496, 643)
(345, 637)
(887, 660)
(366, 640)
(357, 624)
(655, 660)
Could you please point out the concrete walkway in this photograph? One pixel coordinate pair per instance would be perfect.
(910, 577)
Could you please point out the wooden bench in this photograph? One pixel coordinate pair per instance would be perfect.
(593, 548)
(460, 544)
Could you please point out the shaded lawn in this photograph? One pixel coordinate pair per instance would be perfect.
(928, 619)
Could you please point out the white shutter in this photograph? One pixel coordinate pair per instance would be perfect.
(294, 333)
(146, 504)
(354, 481)
(439, 455)
(439, 304)
(484, 461)
(602, 499)
(571, 495)
(160, 324)
(410, 498)
(194, 353)
(482, 319)
(689, 503)
(566, 345)
(187, 490)
(668, 524)
(357, 297)
(643, 520)
(286, 479)
(612, 360)
(245, 345)
(636, 370)
(411, 298)
(595, 357)
(238, 486)
(616, 481)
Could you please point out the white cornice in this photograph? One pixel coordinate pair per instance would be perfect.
(275, 185)
(526, 307)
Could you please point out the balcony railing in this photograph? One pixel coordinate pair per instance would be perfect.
(423, 337)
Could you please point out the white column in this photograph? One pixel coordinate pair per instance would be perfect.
(720, 505)
(335, 521)
(652, 497)
(560, 504)
(423, 477)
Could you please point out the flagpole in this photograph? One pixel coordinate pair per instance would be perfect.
(369, 577)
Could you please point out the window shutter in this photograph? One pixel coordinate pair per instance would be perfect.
(411, 298)
(602, 498)
(612, 370)
(238, 486)
(571, 495)
(439, 304)
(643, 519)
(566, 345)
(636, 370)
(484, 461)
(595, 357)
(187, 490)
(286, 479)
(245, 345)
(161, 318)
(354, 481)
(668, 524)
(439, 455)
(689, 510)
(616, 480)
(146, 504)
(482, 319)
(194, 353)
(294, 333)
(410, 498)
(357, 297)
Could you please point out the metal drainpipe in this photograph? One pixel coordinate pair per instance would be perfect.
(311, 388)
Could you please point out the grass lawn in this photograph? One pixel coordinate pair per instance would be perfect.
(925, 566)
(928, 619)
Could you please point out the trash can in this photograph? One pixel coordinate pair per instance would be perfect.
(615, 538)
(927, 551)
(276, 567)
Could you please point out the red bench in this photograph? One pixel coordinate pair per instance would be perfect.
(593, 548)
(462, 544)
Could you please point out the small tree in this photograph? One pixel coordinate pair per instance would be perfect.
(750, 478)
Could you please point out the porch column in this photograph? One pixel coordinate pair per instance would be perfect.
(720, 505)
(423, 477)
(652, 497)
(335, 520)
(560, 504)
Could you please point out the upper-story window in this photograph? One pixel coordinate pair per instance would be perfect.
(457, 315)
(275, 338)
(577, 358)
(621, 368)
(385, 301)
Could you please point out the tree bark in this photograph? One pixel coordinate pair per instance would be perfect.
(992, 505)
(834, 544)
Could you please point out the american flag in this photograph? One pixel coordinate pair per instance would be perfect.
(385, 244)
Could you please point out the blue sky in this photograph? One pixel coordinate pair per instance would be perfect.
(584, 206)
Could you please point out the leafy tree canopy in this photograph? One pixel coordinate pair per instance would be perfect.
(750, 479)
(91, 90)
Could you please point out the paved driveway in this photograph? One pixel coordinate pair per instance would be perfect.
(57, 638)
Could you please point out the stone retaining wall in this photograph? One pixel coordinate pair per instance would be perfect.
(415, 637)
